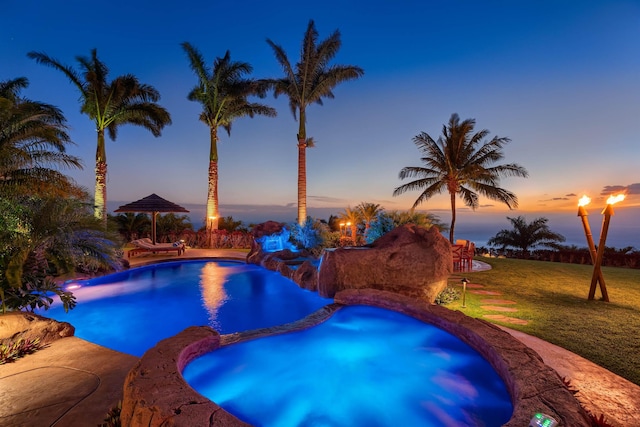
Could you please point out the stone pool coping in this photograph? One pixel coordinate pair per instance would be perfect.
(156, 394)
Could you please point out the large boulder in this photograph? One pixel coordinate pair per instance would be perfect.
(409, 260)
(29, 326)
(306, 276)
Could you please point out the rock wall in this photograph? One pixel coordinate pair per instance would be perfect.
(409, 260)
(156, 394)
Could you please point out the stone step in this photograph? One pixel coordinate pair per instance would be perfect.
(481, 292)
(505, 319)
(497, 301)
(469, 285)
(498, 308)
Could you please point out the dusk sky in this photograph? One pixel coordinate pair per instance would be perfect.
(560, 78)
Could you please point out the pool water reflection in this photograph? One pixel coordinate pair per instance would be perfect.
(132, 310)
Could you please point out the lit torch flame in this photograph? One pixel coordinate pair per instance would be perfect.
(584, 200)
(615, 199)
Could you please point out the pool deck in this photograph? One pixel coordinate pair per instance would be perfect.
(74, 383)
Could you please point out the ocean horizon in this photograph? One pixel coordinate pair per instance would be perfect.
(478, 226)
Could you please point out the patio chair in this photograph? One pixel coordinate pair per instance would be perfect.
(457, 251)
(146, 245)
(468, 252)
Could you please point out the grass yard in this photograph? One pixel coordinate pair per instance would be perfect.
(553, 298)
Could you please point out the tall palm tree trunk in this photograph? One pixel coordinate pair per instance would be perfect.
(453, 217)
(100, 194)
(302, 181)
(302, 169)
(212, 192)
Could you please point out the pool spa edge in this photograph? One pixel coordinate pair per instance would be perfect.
(156, 394)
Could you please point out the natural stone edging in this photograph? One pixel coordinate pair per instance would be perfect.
(156, 394)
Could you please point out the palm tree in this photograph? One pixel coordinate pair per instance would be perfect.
(460, 162)
(124, 100)
(421, 219)
(525, 236)
(350, 218)
(311, 80)
(170, 225)
(131, 225)
(223, 93)
(33, 140)
(368, 212)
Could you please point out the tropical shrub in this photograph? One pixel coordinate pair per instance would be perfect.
(130, 226)
(11, 351)
(229, 224)
(387, 221)
(113, 417)
(50, 237)
(382, 224)
(170, 225)
(312, 235)
(448, 295)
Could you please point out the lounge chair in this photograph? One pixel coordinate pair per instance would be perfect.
(146, 245)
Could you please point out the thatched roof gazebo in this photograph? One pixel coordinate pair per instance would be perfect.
(153, 205)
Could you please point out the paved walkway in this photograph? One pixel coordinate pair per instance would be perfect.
(74, 383)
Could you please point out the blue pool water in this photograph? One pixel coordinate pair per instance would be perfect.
(132, 310)
(364, 366)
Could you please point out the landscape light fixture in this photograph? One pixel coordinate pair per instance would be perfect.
(464, 292)
(582, 213)
(597, 272)
(542, 420)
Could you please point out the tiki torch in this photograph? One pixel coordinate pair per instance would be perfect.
(597, 272)
(582, 213)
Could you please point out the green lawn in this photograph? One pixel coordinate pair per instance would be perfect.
(553, 298)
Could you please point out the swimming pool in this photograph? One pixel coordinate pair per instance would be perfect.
(131, 311)
(364, 366)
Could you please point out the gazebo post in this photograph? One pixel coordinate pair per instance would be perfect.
(153, 227)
